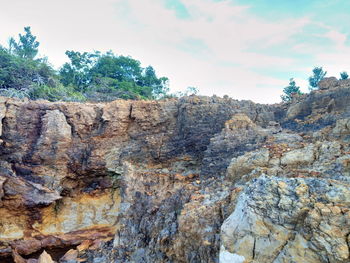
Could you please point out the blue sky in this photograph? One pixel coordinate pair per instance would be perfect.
(247, 49)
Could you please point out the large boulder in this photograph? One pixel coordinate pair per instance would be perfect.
(289, 220)
(328, 83)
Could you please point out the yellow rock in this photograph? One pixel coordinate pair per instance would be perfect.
(45, 258)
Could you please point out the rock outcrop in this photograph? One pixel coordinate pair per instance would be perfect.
(195, 179)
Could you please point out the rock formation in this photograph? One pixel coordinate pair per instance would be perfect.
(195, 179)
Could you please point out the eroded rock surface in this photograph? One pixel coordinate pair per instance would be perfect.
(195, 179)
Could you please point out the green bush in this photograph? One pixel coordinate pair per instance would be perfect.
(88, 76)
(119, 76)
(290, 91)
(58, 93)
(15, 93)
(19, 73)
(111, 89)
(344, 75)
(318, 75)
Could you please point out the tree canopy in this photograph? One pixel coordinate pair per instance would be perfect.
(344, 75)
(26, 46)
(290, 91)
(318, 75)
(119, 76)
(87, 76)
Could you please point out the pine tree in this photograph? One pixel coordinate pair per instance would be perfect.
(291, 90)
(344, 75)
(26, 47)
(318, 75)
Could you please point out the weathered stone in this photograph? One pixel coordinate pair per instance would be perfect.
(328, 83)
(299, 156)
(160, 177)
(244, 164)
(262, 227)
(45, 258)
(17, 257)
(70, 257)
(2, 181)
(342, 127)
(298, 110)
(239, 135)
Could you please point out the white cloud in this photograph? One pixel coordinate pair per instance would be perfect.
(302, 83)
(337, 37)
(216, 49)
(335, 58)
(228, 32)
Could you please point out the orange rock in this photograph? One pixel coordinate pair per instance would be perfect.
(180, 177)
(84, 245)
(96, 244)
(17, 257)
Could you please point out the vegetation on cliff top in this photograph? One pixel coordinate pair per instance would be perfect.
(87, 76)
(291, 90)
(318, 74)
(93, 76)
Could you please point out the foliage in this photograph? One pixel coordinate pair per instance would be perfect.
(108, 89)
(290, 91)
(15, 93)
(159, 85)
(344, 75)
(191, 91)
(57, 93)
(21, 73)
(77, 72)
(318, 75)
(188, 92)
(87, 76)
(107, 76)
(26, 47)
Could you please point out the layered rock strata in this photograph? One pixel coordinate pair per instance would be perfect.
(195, 179)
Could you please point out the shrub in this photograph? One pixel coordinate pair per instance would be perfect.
(344, 75)
(88, 76)
(318, 75)
(15, 93)
(58, 93)
(290, 91)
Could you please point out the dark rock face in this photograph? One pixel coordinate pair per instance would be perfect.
(317, 110)
(239, 135)
(145, 181)
(328, 83)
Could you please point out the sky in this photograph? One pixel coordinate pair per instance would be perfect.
(246, 49)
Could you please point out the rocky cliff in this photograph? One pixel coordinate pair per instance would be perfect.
(195, 179)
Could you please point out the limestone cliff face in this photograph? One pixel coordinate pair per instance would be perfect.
(196, 179)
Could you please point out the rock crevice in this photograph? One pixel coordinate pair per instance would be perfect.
(195, 179)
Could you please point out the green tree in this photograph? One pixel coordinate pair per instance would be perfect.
(57, 93)
(291, 90)
(318, 75)
(26, 47)
(87, 76)
(98, 74)
(21, 74)
(77, 72)
(187, 92)
(159, 85)
(191, 91)
(344, 75)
